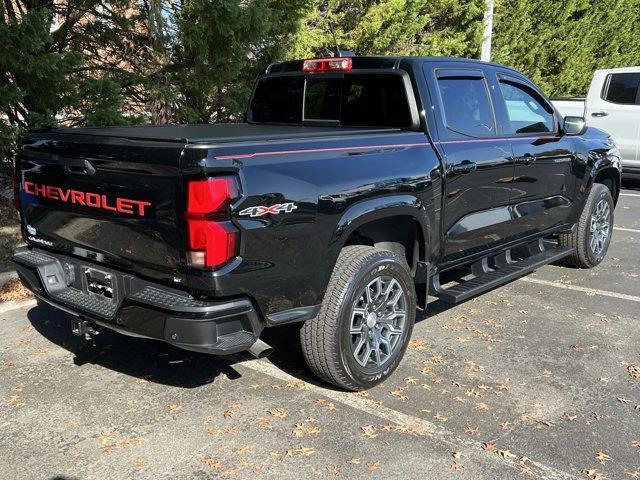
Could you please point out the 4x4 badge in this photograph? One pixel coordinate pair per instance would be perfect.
(261, 210)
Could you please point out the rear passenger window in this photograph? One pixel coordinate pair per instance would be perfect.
(467, 108)
(623, 88)
(528, 113)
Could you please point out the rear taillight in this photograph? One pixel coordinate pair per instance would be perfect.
(321, 65)
(16, 184)
(212, 239)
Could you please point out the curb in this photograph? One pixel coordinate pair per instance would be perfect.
(15, 304)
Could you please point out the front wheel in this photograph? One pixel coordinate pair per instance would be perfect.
(365, 321)
(592, 235)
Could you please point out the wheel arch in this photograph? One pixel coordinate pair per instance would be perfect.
(610, 177)
(387, 222)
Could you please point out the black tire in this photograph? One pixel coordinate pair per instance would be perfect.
(583, 255)
(326, 339)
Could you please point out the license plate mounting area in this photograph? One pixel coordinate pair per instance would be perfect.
(100, 284)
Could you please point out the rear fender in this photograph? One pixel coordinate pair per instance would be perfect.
(371, 210)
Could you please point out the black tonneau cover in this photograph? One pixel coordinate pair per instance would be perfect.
(218, 133)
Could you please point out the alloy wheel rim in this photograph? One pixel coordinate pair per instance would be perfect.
(600, 227)
(378, 321)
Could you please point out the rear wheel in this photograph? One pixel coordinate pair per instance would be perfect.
(592, 235)
(365, 321)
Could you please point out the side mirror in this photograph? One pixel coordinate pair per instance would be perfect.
(574, 125)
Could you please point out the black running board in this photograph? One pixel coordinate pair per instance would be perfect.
(490, 279)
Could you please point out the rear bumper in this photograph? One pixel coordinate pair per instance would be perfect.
(140, 308)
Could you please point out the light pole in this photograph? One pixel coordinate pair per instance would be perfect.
(487, 22)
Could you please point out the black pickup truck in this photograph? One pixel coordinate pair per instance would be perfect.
(356, 189)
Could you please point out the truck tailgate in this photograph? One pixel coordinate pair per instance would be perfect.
(113, 200)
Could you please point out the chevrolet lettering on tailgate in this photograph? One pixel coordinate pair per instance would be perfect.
(127, 206)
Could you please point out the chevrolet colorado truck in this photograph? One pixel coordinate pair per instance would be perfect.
(356, 189)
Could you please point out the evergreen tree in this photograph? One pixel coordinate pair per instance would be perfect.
(560, 44)
(34, 83)
(221, 46)
(65, 62)
(391, 27)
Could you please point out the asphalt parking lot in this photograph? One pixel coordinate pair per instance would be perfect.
(540, 378)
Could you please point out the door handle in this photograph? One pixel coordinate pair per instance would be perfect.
(77, 166)
(464, 166)
(526, 159)
(599, 114)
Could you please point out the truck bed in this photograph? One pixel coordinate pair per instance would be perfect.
(219, 133)
(119, 191)
(569, 106)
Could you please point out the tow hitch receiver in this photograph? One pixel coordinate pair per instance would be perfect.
(100, 284)
(83, 328)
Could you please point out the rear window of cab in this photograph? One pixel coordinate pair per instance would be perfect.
(352, 99)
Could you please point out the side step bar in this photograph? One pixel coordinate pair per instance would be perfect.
(506, 270)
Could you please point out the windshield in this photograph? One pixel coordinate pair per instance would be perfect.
(369, 99)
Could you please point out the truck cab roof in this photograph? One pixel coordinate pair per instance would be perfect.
(635, 69)
(381, 62)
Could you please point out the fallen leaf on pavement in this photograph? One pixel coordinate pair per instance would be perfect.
(301, 429)
(278, 412)
(603, 458)
(472, 430)
(506, 454)
(209, 462)
(369, 431)
(594, 474)
(417, 344)
(14, 290)
(371, 467)
(334, 470)
(489, 446)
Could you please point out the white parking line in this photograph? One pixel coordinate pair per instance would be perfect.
(605, 293)
(430, 430)
(622, 229)
(630, 195)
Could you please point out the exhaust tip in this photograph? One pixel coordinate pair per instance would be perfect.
(260, 349)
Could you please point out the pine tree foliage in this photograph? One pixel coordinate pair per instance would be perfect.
(35, 78)
(221, 47)
(560, 44)
(391, 27)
